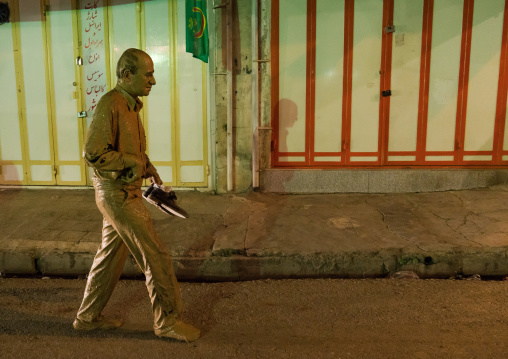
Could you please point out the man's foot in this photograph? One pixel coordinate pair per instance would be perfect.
(98, 323)
(179, 331)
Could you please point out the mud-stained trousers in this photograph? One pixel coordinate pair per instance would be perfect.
(128, 228)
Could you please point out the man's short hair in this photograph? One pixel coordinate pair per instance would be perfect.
(128, 61)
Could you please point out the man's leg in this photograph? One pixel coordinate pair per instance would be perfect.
(138, 232)
(104, 275)
(134, 225)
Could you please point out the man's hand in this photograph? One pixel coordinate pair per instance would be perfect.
(156, 179)
(151, 172)
(134, 169)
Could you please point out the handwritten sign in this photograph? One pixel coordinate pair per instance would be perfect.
(94, 53)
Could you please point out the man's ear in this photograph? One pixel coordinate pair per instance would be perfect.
(127, 75)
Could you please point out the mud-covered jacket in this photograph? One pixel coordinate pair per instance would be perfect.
(115, 143)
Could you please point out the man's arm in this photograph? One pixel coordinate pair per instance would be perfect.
(99, 149)
(151, 172)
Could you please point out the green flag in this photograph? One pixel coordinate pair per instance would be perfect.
(197, 29)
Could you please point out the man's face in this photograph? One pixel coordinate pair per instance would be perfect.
(141, 83)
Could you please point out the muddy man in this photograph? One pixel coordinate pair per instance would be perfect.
(115, 148)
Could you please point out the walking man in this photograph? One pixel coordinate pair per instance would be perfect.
(115, 148)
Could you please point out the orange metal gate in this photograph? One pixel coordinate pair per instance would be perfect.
(438, 97)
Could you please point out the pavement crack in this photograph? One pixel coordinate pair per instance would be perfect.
(398, 233)
(464, 223)
(482, 229)
(219, 234)
(458, 197)
(246, 234)
(424, 225)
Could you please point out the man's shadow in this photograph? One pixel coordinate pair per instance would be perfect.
(28, 321)
(287, 115)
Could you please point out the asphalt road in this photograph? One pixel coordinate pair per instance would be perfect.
(324, 318)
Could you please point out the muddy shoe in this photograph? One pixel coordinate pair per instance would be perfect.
(99, 323)
(165, 200)
(179, 331)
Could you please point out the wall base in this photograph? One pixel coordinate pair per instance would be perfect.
(378, 181)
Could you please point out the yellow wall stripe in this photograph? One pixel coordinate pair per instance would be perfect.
(46, 44)
(80, 100)
(173, 70)
(18, 65)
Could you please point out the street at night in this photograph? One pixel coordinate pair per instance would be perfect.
(318, 318)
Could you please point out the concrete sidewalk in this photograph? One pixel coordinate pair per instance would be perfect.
(266, 235)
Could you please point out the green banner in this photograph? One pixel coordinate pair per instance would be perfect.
(197, 29)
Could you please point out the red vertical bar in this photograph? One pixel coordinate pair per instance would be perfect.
(423, 102)
(500, 124)
(349, 10)
(275, 82)
(465, 54)
(386, 70)
(311, 82)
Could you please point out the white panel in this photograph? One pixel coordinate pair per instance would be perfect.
(401, 158)
(366, 80)
(165, 173)
(292, 159)
(12, 173)
(484, 75)
(329, 75)
(438, 158)
(405, 80)
(505, 158)
(158, 126)
(362, 159)
(124, 30)
(327, 159)
(292, 75)
(190, 85)
(42, 173)
(70, 173)
(36, 103)
(10, 141)
(191, 174)
(444, 75)
(477, 158)
(62, 57)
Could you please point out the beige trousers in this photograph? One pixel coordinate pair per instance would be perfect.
(128, 228)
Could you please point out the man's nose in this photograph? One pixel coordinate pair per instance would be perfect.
(152, 81)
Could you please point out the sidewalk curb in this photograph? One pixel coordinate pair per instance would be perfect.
(70, 260)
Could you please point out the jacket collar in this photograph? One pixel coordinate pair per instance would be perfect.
(133, 103)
